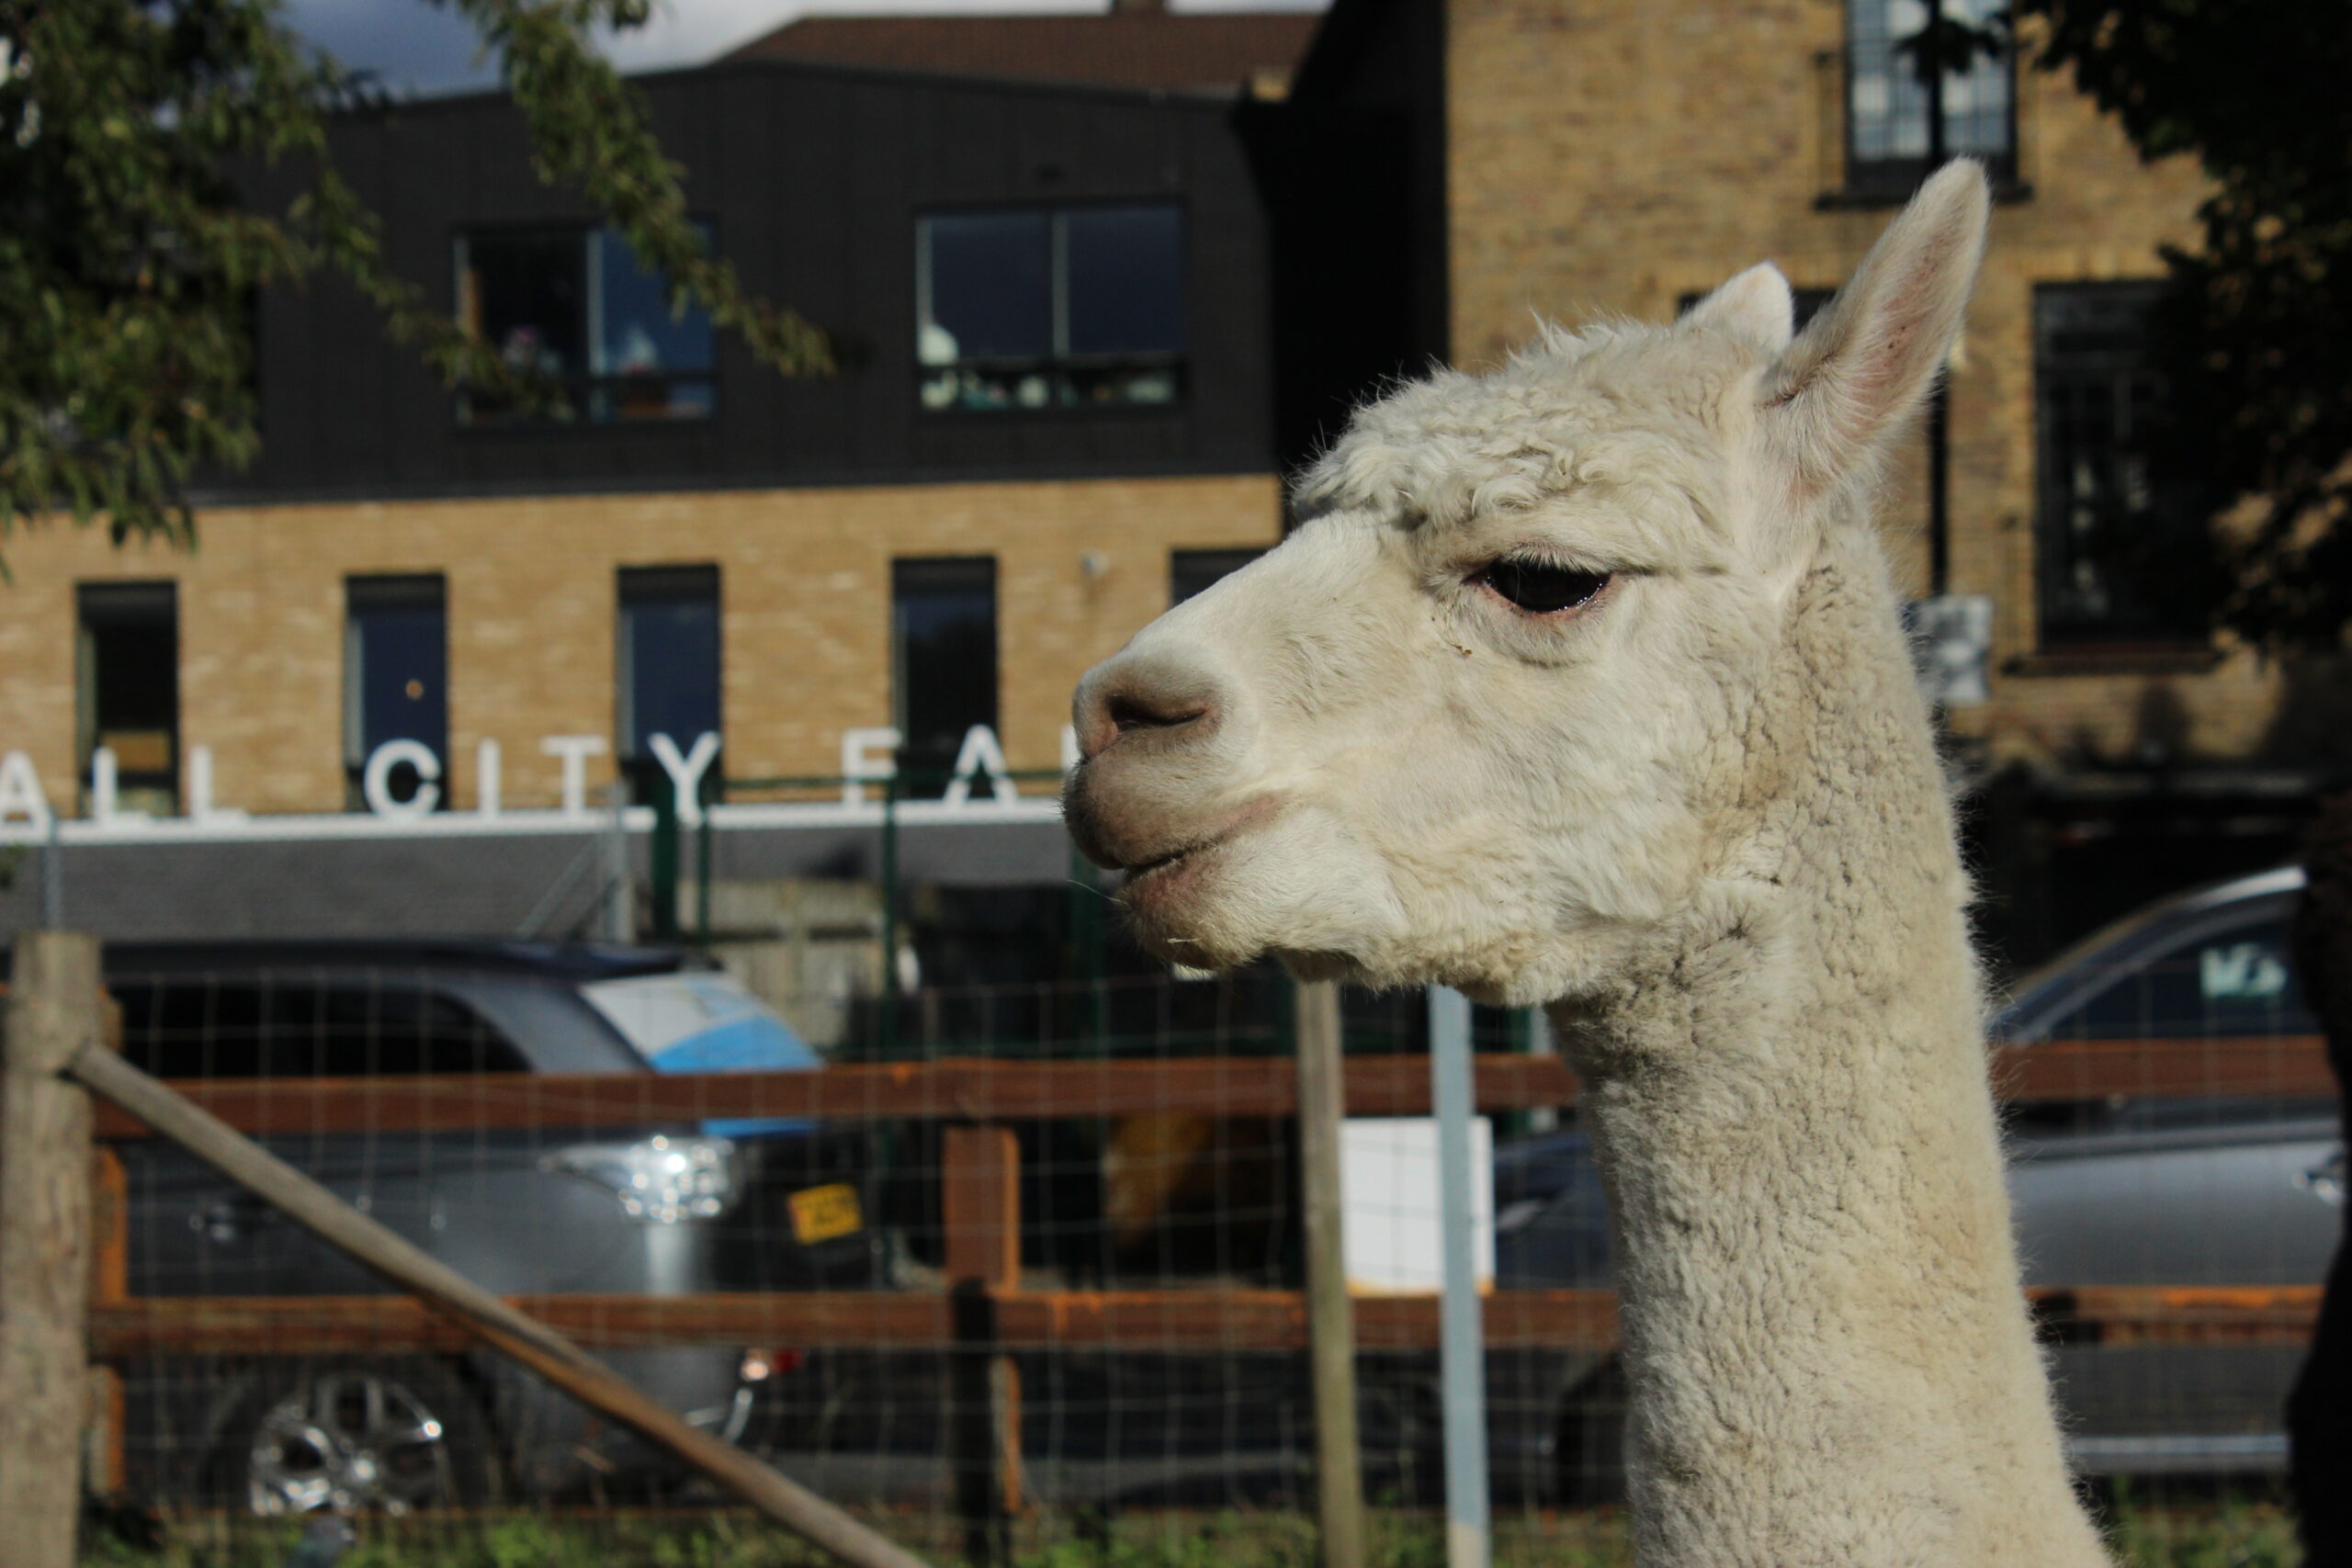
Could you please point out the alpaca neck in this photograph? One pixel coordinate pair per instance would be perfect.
(1828, 1353)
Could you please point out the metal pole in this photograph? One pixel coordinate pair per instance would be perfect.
(1330, 1315)
(1940, 400)
(1461, 1369)
(620, 896)
(1541, 1043)
(889, 915)
(702, 870)
(52, 878)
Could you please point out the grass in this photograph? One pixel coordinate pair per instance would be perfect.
(2227, 1534)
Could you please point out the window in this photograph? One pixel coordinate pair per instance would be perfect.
(301, 1026)
(395, 675)
(1196, 571)
(2230, 980)
(2102, 520)
(578, 309)
(942, 662)
(127, 681)
(1035, 309)
(1886, 104)
(666, 644)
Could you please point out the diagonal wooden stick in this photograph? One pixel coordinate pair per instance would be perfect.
(534, 1344)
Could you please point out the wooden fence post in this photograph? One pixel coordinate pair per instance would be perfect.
(53, 1013)
(103, 1464)
(980, 1214)
(1330, 1315)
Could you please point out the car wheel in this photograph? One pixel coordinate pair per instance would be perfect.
(1590, 1439)
(351, 1436)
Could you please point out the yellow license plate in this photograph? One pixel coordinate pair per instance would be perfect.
(820, 1213)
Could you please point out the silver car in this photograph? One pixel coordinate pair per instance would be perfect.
(661, 1210)
(2221, 1189)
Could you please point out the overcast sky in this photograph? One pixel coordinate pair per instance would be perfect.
(417, 47)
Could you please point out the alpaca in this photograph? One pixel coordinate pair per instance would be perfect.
(1582, 685)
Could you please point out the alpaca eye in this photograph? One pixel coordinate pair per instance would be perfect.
(1539, 588)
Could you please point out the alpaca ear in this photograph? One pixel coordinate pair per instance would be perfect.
(1867, 361)
(1756, 307)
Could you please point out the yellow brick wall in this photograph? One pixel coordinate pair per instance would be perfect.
(1611, 158)
(805, 592)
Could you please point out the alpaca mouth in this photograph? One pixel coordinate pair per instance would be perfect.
(1160, 866)
(1173, 858)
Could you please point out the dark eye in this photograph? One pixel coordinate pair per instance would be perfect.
(1538, 587)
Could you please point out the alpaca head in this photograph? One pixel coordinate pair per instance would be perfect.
(1479, 719)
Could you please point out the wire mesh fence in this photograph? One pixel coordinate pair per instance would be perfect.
(780, 1244)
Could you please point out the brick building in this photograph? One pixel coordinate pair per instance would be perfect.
(1021, 464)
(1054, 415)
(1601, 158)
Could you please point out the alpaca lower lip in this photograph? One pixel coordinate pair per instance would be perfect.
(1225, 831)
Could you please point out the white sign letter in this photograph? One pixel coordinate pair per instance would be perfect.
(200, 809)
(685, 773)
(20, 791)
(980, 751)
(866, 759)
(375, 779)
(575, 751)
(486, 764)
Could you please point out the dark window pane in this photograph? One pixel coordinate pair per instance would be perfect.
(652, 364)
(1886, 105)
(943, 659)
(395, 671)
(526, 296)
(2102, 524)
(1123, 268)
(1192, 571)
(129, 680)
(988, 287)
(668, 645)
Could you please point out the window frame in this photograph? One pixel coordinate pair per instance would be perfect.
(91, 609)
(582, 387)
(911, 751)
(1058, 363)
(1895, 178)
(389, 587)
(667, 582)
(2058, 637)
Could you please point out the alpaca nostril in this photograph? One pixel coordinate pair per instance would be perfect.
(1149, 695)
(1128, 711)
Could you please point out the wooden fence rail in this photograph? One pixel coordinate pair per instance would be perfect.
(1184, 1322)
(988, 1090)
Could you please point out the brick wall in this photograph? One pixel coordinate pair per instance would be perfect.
(805, 586)
(1612, 158)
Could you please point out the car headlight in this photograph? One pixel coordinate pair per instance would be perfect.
(661, 1179)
